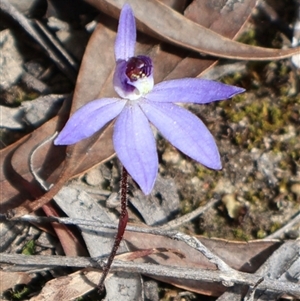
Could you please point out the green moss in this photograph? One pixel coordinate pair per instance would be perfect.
(29, 248)
(249, 37)
(238, 116)
(262, 117)
(252, 197)
(240, 234)
(275, 227)
(238, 139)
(233, 79)
(186, 207)
(202, 172)
(283, 186)
(284, 69)
(295, 154)
(21, 94)
(261, 233)
(20, 294)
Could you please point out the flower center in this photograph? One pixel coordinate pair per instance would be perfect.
(138, 67)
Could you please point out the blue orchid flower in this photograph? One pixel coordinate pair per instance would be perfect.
(142, 103)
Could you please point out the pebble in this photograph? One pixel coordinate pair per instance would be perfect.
(171, 156)
(27, 7)
(94, 177)
(224, 186)
(10, 60)
(295, 188)
(232, 205)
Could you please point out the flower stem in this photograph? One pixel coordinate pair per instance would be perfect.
(121, 229)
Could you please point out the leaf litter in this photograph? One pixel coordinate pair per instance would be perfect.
(249, 132)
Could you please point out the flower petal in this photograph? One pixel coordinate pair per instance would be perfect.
(135, 146)
(126, 35)
(185, 131)
(192, 90)
(89, 119)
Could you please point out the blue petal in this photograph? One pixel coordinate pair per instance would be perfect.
(192, 90)
(185, 131)
(135, 146)
(126, 35)
(89, 119)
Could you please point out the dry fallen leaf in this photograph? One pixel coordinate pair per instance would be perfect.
(242, 256)
(170, 26)
(69, 287)
(92, 78)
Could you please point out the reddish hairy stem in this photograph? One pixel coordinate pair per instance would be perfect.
(121, 229)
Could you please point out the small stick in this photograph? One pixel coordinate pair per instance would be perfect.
(121, 229)
(176, 223)
(280, 232)
(155, 270)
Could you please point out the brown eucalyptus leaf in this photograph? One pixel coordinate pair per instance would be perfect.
(69, 287)
(217, 17)
(243, 256)
(81, 282)
(168, 25)
(70, 243)
(20, 168)
(223, 17)
(16, 177)
(10, 181)
(175, 4)
(95, 73)
(94, 80)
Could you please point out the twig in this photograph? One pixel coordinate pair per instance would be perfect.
(280, 232)
(196, 244)
(97, 223)
(188, 217)
(251, 292)
(189, 240)
(210, 276)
